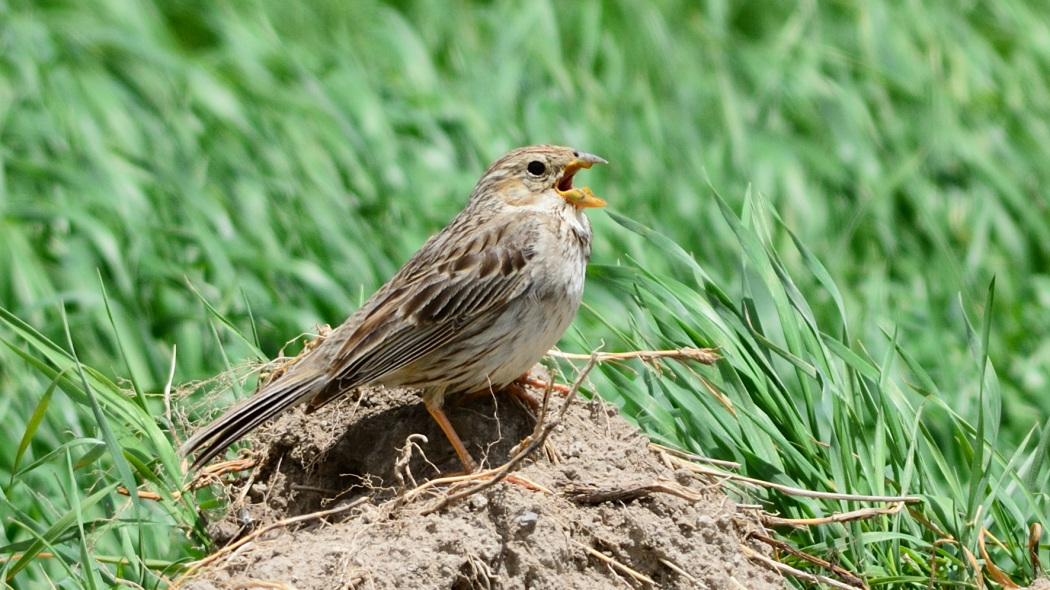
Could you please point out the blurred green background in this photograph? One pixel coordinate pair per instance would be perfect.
(289, 156)
(282, 159)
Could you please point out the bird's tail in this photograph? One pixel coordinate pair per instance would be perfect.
(284, 393)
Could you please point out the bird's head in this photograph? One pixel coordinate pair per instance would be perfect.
(539, 175)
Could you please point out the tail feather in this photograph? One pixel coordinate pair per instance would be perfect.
(286, 392)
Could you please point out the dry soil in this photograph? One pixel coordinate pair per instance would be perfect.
(511, 535)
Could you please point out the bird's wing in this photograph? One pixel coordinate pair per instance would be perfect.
(441, 291)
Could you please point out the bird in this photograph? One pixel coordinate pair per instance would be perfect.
(473, 310)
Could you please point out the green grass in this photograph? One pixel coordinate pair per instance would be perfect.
(875, 271)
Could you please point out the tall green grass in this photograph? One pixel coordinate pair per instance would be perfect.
(799, 403)
(279, 160)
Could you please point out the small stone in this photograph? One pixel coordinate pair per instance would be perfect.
(683, 477)
(575, 449)
(528, 519)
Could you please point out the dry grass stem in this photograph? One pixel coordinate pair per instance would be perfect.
(247, 583)
(706, 356)
(994, 572)
(861, 514)
(614, 563)
(206, 476)
(788, 490)
(167, 397)
(847, 576)
(787, 570)
(588, 494)
(693, 457)
(681, 572)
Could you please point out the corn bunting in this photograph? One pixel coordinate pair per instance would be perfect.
(474, 309)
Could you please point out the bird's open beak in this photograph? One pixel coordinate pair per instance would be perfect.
(580, 197)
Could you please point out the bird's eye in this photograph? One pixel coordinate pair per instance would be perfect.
(537, 168)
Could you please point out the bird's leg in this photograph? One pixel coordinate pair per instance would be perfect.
(439, 416)
(514, 388)
(541, 384)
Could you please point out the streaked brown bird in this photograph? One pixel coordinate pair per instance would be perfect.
(478, 305)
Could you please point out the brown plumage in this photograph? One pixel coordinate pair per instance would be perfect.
(476, 307)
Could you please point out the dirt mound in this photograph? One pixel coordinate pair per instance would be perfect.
(596, 508)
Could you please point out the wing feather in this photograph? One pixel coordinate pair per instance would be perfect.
(447, 295)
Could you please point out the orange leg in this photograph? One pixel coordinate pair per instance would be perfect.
(515, 389)
(540, 384)
(464, 456)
